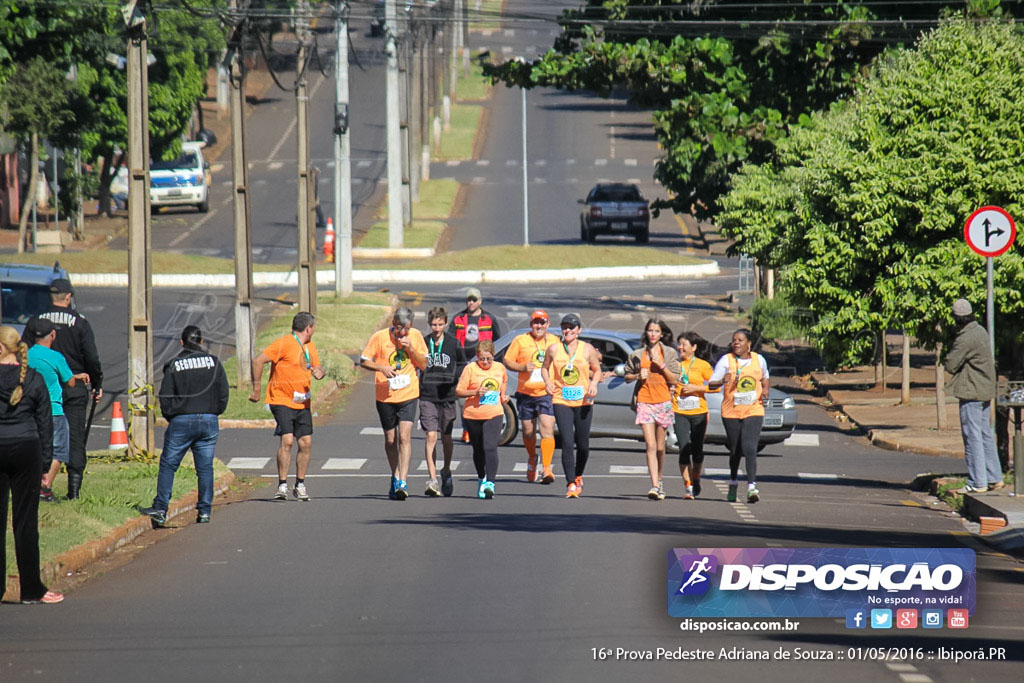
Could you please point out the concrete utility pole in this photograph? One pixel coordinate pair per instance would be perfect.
(307, 248)
(342, 158)
(140, 263)
(244, 328)
(394, 138)
(403, 122)
(414, 100)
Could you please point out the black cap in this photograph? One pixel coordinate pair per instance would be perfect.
(571, 320)
(40, 327)
(61, 285)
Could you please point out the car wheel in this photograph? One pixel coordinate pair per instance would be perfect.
(509, 424)
(203, 206)
(643, 237)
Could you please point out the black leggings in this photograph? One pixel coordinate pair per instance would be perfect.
(574, 428)
(690, 431)
(484, 436)
(21, 471)
(741, 437)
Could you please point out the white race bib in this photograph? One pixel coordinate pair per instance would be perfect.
(398, 382)
(572, 393)
(300, 396)
(744, 398)
(535, 377)
(490, 398)
(688, 403)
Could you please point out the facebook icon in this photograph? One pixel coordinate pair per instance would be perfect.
(856, 618)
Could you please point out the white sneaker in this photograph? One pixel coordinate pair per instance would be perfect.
(282, 492)
(300, 492)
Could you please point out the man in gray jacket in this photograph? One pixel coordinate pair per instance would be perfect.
(974, 382)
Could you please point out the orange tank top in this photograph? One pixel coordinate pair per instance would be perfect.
(570, 373)
(742, 397)
(655, 388)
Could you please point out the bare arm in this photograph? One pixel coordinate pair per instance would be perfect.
(257, 376)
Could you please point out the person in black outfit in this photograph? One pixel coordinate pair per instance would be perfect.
(76, 342)
(193, 393)
(26, 449)
(438, 404)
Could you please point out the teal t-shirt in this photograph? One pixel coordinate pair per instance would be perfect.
(55, 370)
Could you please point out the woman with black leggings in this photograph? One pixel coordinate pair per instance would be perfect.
(691, 409)
(571, 373)
(743, 377)
(26, 449)
(484, 385)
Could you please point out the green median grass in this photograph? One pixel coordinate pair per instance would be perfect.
(457, 143)
(488, 18)
(472, 87)
(437, 200)
(112, 488)
(342, 328)
(510, 257)
(420, 235)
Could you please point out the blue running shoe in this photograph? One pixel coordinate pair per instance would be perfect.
(401, 490)
(488, 489)
(391, 489)
(481, 491)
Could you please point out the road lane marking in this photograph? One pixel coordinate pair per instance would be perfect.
(483, 162)
(247, 463)
(452, 162)
(423, 465)
(899, 666)
(600, 162)
(188, 233)
(802, 439)
(817, 475)
(630, 162)
(519, 467)
(344, 463)
(371, 431)
(627, 469)
(294, 121)
(275, 165)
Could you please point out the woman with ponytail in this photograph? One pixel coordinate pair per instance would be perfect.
(26, 449)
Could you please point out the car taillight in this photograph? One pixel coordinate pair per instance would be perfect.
(595, 211)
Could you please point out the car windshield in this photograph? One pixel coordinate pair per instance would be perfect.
(616, 194)
(187, 160)
(22, 301)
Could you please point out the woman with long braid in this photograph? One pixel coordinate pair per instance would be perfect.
(26, 449)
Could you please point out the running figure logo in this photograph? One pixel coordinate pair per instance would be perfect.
(699, 566)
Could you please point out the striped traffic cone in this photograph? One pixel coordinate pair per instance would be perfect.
(329, 241)
(118, 434)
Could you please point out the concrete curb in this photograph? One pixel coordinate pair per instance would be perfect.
(385, 253)
(892, 445)
(75, 559)
(326, 277)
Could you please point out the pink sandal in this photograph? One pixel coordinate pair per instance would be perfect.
(49, 598)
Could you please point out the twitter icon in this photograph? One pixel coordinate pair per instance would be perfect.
(881, 618)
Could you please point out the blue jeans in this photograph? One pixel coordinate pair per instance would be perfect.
(198, 432)
(979, 444)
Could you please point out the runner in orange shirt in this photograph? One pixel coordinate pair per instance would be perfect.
(394, 355)
(484, 385)
(294, 360)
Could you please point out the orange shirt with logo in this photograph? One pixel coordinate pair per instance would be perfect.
(493, 379)
(693, 371)
(290, 378)
(382, 349)
(527, 349)
(747, 383)
(572, 384)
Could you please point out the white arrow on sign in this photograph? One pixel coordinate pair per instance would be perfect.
(990, 231)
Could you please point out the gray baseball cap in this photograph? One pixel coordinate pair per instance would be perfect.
(962, 307)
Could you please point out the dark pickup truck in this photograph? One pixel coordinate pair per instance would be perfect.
(615, 209)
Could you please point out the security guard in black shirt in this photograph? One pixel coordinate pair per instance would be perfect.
(76, 342)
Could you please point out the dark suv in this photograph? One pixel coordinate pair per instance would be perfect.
(615, 209)
(25, 291)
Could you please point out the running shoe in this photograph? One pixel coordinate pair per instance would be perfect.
(996, 485)
(549, 477)
(732, 493)
(579, 486)
(481, 489)
(392, 488)
(48, 598)
(465, 436)
(689, 493)
(653, 493)
(572, 491)
(753, 495)
(46, 494)
(447, 485)
(157, 517)
(300, 492)
(661, 490)
(488, 489)
(696, 487)
(282, 492)
(203, 518)
(531, 468)
(401, 490)
(971, 489)
(433, 490)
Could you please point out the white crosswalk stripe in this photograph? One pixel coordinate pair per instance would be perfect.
(815, 475)
(423, 465)
(627, 469)
(248, 463)
(802, 439)
(371, 431)
(344, 463)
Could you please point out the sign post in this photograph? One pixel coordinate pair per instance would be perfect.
(990, 231)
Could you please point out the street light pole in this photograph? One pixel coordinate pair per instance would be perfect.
(526, 185)
(342, 158)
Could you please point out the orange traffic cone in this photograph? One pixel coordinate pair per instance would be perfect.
(329, 241)
(118, 435)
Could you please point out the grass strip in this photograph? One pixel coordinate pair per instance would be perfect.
(488, 17)
(420, 235)
(110, 492)
(457, 143)
(437, 198)
(342, 328)
(472, 87)
(511, 257)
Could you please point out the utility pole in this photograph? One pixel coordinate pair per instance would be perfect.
(307, 250)
(342, 158)
(394, 139)
(414, 102)
(244, 336)
(140, 263)
(403, 121)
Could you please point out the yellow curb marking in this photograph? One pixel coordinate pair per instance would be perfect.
(911, 503)
(960, 533)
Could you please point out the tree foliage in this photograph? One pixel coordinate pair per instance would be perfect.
(864, 205)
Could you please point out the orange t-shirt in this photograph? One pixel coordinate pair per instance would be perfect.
(494, 380)
(290, 374)
(693, 371)
(526, 349)
(655, 388)
(571, 384)
(741, 398)
(405, 385)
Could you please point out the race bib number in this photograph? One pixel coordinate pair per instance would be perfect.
(536, 378)
(688, 403)
(744, 398)
(572, 393)
(300, 396)
(490, 398)
(398, 382)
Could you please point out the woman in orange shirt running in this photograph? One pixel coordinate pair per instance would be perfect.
(655, 365)
(484, 385)
(691, 409)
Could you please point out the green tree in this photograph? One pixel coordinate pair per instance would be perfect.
(864, 206)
